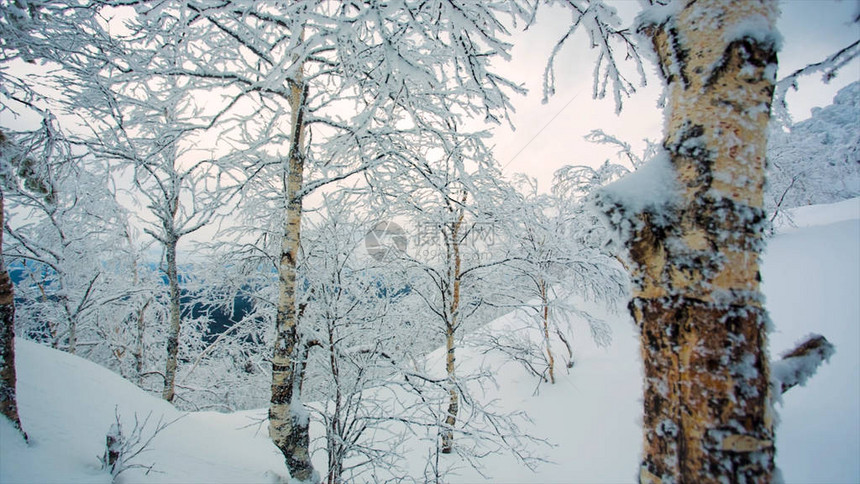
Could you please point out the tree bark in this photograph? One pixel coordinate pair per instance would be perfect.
(171, 240)
(288, 420)
(140, 342)
(707, 394)
(175, 322)
(139, 316)
(334, 441)
(8, 378)
(550, 361)
(454, 268)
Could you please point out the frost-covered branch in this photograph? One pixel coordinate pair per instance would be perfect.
(828, 68)
(615, 46)
(123, 449)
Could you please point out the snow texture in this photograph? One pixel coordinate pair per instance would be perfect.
(821, 215)
(650, 188)
(757, 28)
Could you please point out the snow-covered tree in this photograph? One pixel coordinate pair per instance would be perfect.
(29, 31)
(147, 124)
(558, 260)
(323, 90)
(9, 155)
(816, 160)
(355, 340)
(59, 244)
(450, 195)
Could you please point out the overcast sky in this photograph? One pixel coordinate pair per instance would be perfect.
(549, 136)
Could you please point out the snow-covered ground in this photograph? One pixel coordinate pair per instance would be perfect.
(811, 279)
(812, 282)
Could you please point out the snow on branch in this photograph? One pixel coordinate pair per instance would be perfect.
(828, 67)
(615, 46)
(799, 364)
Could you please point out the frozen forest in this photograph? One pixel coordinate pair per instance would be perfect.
(341, 241)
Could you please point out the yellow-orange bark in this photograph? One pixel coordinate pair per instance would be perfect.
(697, 300)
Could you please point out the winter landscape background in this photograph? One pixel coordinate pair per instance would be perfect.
(400, 229)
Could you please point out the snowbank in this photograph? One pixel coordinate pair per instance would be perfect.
(817, 215)
(67, 404)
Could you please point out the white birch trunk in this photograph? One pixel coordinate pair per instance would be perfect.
(454, 268)
(288, 420)
(175, 327)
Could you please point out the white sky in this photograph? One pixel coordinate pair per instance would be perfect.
(550, 136)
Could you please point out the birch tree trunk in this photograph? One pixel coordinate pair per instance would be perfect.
(454, 267)
(139, 317)
(544, 301)
(175, 319)
(288, 420)
(140, 349)
(335, 444)
(172, 230)
(707, 397)
(8, 378)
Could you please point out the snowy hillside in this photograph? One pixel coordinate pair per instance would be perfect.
(69, 403)
(811, 280)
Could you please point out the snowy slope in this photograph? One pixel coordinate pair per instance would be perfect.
(812, 283)
(591, 415)
(67, 405)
